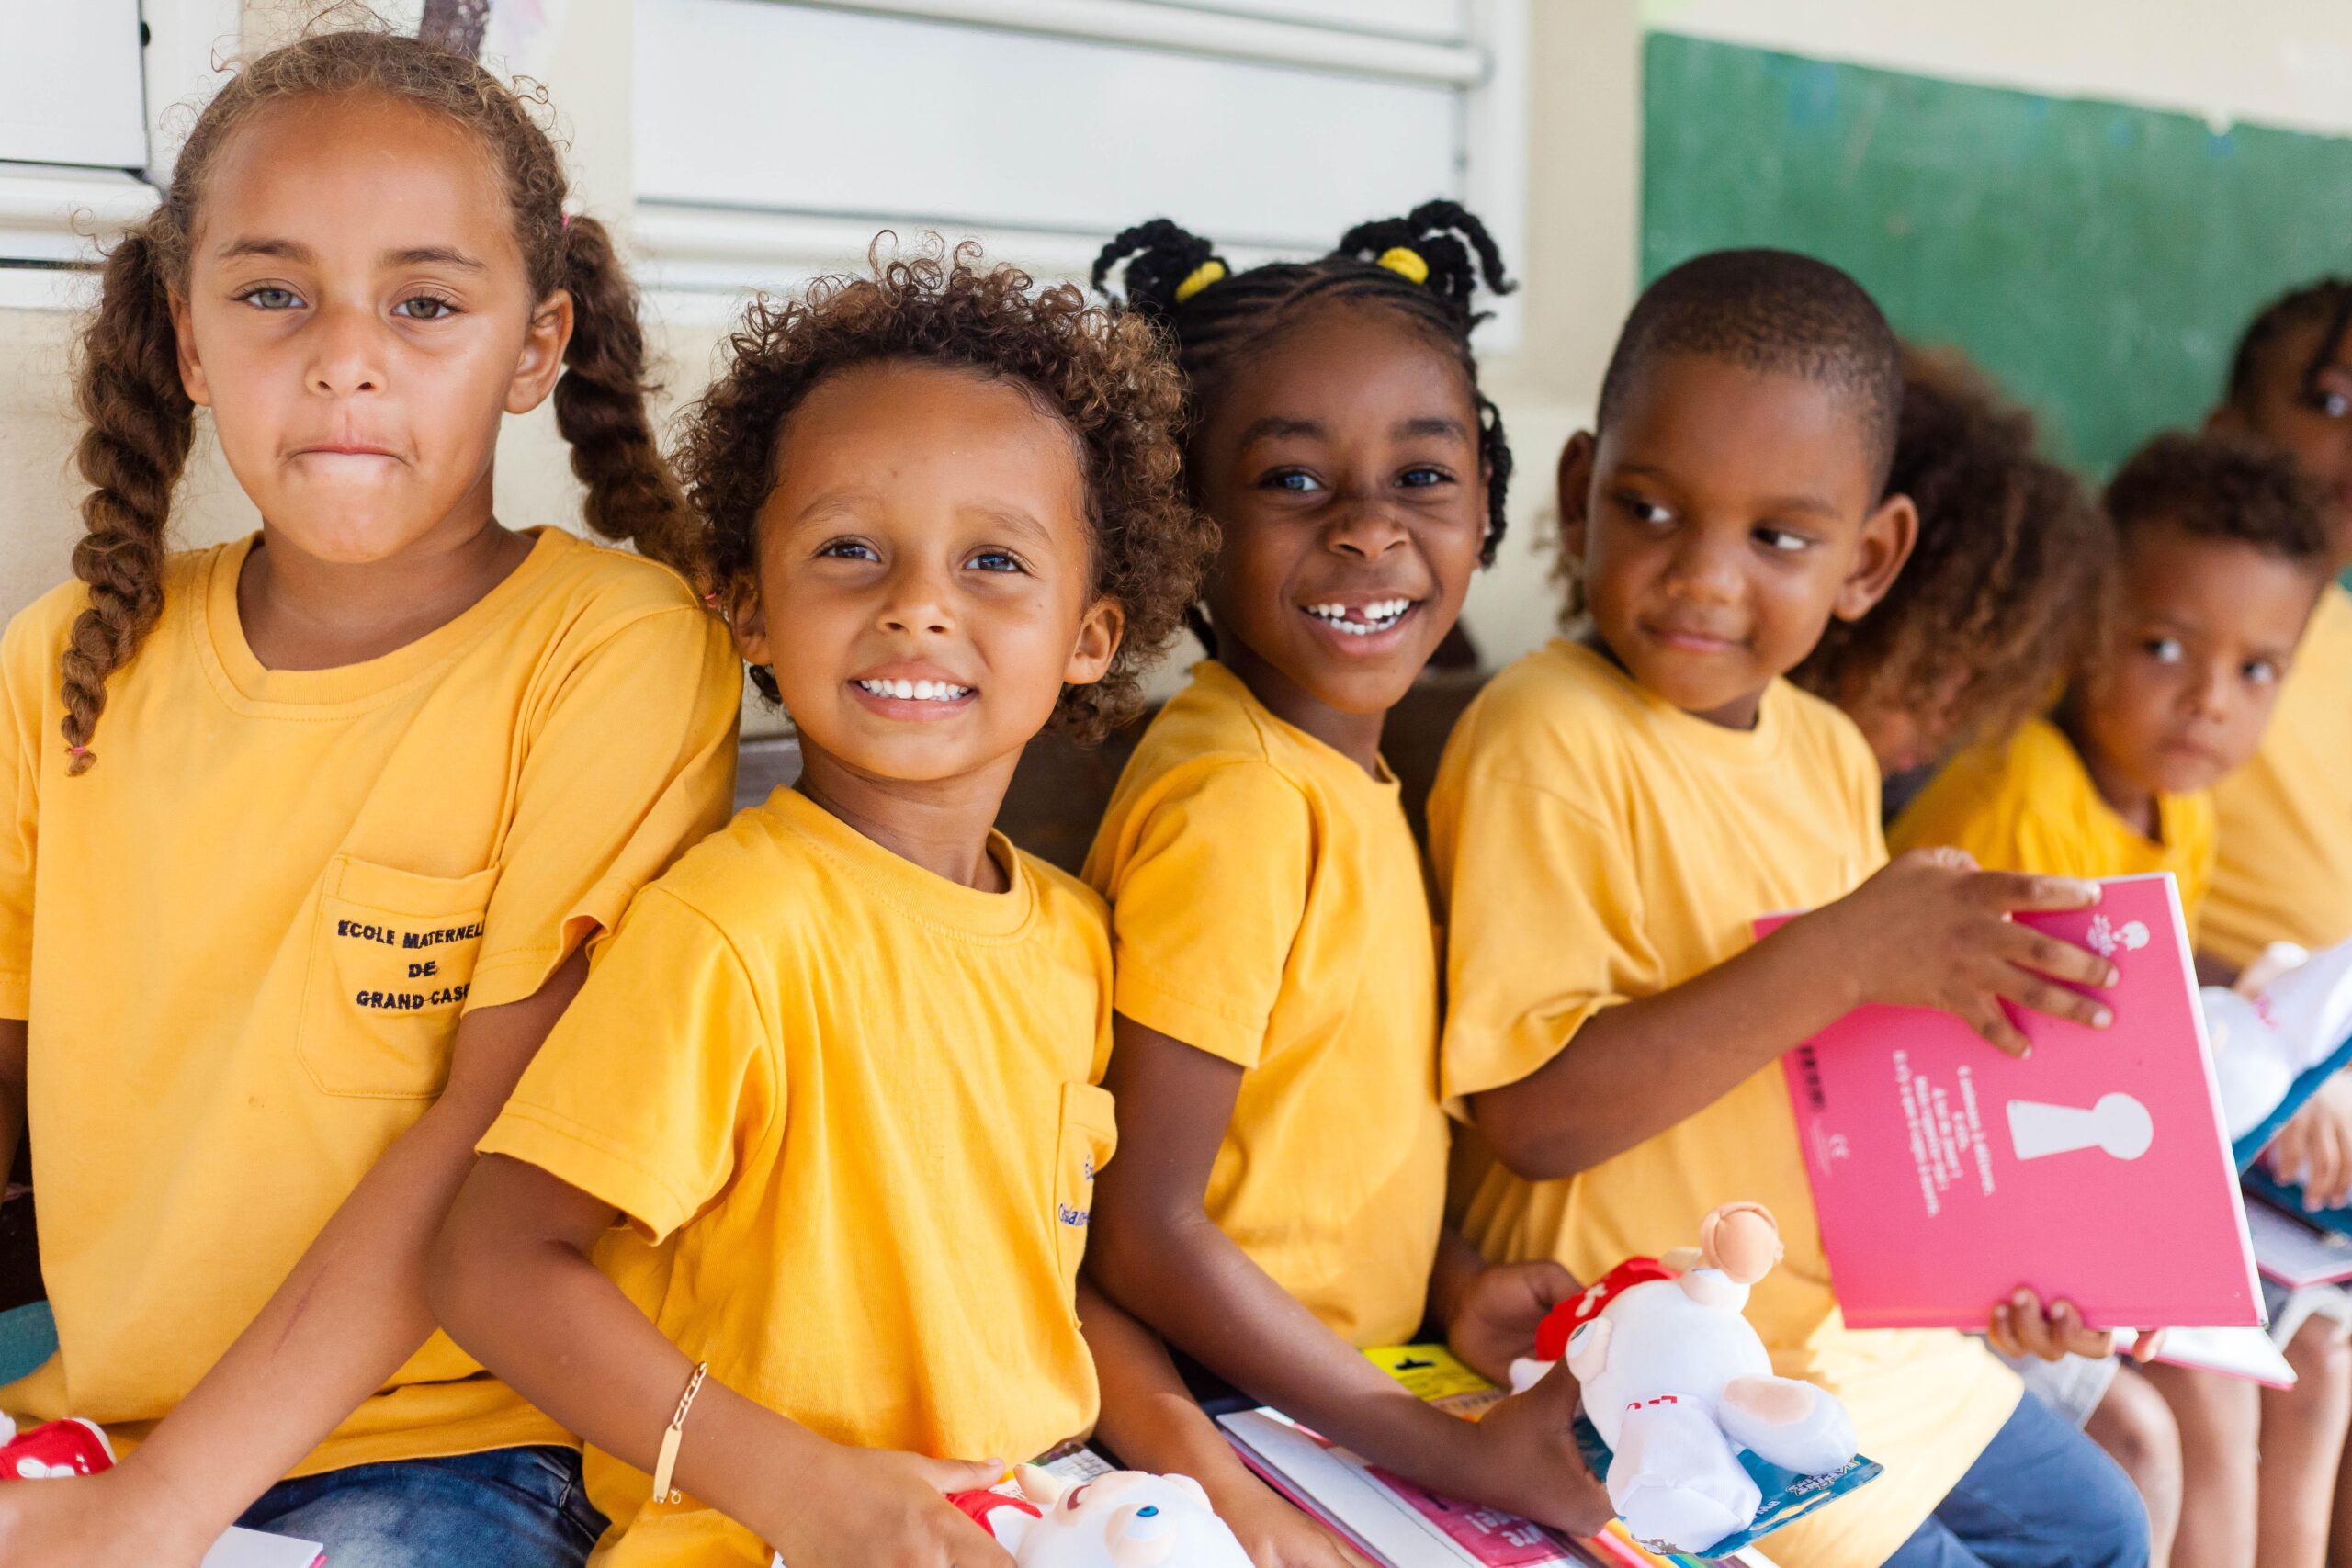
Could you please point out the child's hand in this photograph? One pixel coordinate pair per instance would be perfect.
(1274, 1533)
(1932, 931)
(880, 1508)
(1493, 1322)
(1529, 1462)
(2314, 1150)
(2021, 1327)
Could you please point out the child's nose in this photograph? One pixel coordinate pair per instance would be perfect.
(1705, 568)
(916, 601)
(343, 358)
(1367, 529)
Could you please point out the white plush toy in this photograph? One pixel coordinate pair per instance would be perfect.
(2286, 1013)
(1125, 1519)
(1676, 1381)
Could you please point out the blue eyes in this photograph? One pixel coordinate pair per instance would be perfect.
(270, 298)
(1297, 482)
(848, 549)
(1148, 1511)
(994, 561)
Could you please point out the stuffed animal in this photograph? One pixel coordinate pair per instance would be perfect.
(1125, 1519)
(1676, 1381)
(2287, 1013)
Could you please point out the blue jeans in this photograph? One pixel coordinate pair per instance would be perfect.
(506, 1508)
(2043, 1495)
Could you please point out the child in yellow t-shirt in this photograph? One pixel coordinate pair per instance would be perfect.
(1281, 1200)
(306, 833)
(839, 1070)
(2219, 554)
(1614, 811)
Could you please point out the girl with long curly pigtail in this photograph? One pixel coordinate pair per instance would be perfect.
(308, 832)
(1277, 1201)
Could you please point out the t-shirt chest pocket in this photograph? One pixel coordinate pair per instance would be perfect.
(391, 959)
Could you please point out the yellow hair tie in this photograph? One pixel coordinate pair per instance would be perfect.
(1200, 277)
(1406, 264)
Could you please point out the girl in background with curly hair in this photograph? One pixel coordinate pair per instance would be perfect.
(1997, 597)
(1279, 1202)
(839, 1070)
(306, 833)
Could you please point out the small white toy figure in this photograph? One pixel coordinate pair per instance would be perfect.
(1676, 1381)
(1125, 1519)
(2287, 1014)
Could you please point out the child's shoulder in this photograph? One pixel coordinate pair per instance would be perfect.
(1215, 738)
(1562, 711)
(37, 634)
(605, 588)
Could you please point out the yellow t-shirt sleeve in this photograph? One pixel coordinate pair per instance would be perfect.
(26, 660)
(1544, 926)
(657, 1078)
(634, 761)
(1206, 904)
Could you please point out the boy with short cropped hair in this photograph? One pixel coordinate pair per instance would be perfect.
(1614, 812)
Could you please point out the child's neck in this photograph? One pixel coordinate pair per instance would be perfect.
(941, 825)
(300, 613)
(1740, 713)
(2136, 805)
(1355, 735)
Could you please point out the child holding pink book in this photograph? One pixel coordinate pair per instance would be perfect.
(1614, 811)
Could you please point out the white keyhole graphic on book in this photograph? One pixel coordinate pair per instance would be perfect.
(2118, 1124)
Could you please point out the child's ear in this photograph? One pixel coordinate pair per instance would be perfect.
(1098, 631)
(192, 378)
(544, 341)
(1575, 491)
(747, 620)
(1888, 535)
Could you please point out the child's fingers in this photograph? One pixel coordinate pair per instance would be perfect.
(2030, 990)
(2071, 1335)
(972, 1547)
(2032, 1327)
(2048, 956)
(2007, 890)
(2001, 1331)
(1987, 1019)
(952, 1475)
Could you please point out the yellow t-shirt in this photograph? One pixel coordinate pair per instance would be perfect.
(245, 939)
(2285, 872)
(1596, 844)
(851, 1110)
(2028, 804)
(1270, 907)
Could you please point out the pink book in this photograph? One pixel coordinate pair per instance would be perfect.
(2097, 1170)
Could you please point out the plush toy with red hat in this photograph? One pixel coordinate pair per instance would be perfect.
(1677, 1382)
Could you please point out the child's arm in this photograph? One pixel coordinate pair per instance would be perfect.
(512, 1281)
(1156, 1251)
(1151, 1422)
(1927, 931)
(348, 1314)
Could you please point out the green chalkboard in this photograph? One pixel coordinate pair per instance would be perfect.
(2098, 259)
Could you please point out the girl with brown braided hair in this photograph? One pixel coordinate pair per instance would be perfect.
(307, 832)
(1277, 1205)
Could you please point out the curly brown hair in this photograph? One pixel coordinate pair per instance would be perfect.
(140, 422)
(2001, 595)
(2217, 486)
(1103, 373)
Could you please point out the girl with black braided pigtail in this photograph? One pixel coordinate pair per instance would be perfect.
(311, 830)
(1277, 1202)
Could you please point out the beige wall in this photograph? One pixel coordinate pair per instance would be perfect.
(1578, 273)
